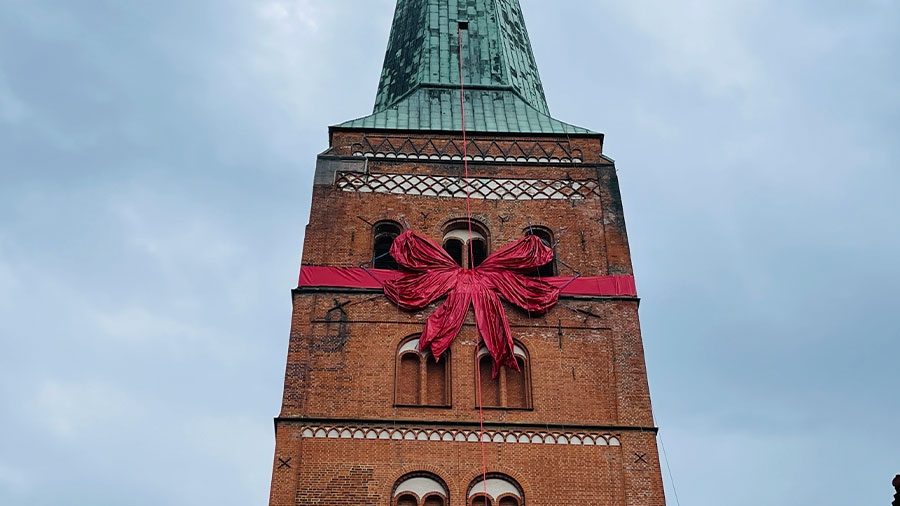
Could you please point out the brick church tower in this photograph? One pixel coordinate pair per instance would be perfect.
(469, 166)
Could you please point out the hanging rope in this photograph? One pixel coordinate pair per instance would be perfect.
(462, 104)
(666, 458)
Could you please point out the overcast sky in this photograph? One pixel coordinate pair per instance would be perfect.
(156, 161)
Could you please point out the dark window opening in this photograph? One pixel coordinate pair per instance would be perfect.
(433, 501)
(382, 255)
(480, 494)
(466, 243)
(548, 269)
(385, 233)
(454, 247)
(478, 253)
(407, 500)
(419, 489)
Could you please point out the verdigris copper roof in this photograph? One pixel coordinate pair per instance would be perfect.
(420, 84)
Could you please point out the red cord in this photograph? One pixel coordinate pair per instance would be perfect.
(462, 100)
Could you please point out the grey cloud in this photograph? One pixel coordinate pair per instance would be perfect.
(156, 159)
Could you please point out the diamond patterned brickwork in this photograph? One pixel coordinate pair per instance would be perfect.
(479, 188)
(488, 150)
(534, 150)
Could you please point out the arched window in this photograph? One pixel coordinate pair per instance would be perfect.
(510, 389)
(546, 236)
(420, 489)
(498, 490)
(467, 248)
(407, 500)
(421, 380)
(384, 234)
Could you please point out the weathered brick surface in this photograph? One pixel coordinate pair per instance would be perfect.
(588, 147)
(585, 369)
(591, 241)
(585, 355)
(363, 472)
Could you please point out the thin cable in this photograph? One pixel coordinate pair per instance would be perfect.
(669, 469)
(462, 103)
(481, 428)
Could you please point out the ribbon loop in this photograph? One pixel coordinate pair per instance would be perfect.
(435, 274)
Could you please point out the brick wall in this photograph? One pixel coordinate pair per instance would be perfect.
(587, 373)
(363, 472)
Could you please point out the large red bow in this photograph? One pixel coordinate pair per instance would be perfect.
(435, 273)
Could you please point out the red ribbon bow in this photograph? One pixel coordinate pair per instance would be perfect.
(435, 273)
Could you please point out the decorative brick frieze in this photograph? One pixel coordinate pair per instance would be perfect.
(459, 435)
(478, 188)
(477, 150)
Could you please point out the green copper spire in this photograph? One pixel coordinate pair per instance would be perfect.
(424, 50)
(420, 85)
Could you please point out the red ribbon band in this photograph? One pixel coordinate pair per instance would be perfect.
(433, 274)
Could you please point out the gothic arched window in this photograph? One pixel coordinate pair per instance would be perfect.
(420, 489)
(420, 380)
(510, 389)
(467, 248)
(384, 233)
(498, 490)
(546, 236)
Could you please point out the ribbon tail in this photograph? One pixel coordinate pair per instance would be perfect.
(444, 324)
(494, 329)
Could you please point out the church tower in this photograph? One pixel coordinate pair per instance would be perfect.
(465, 329)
